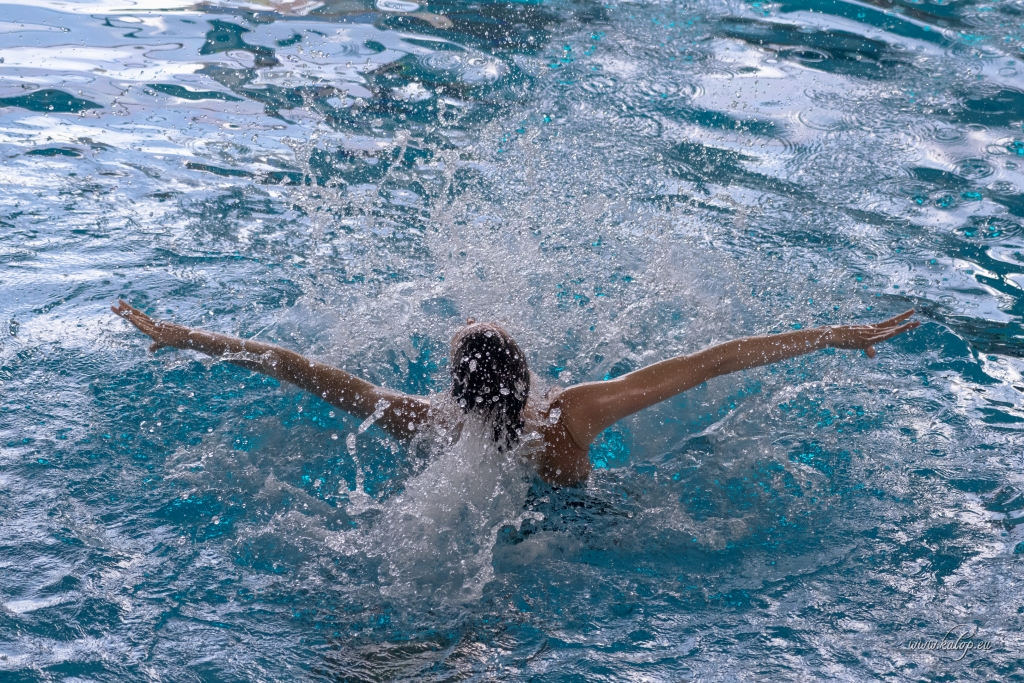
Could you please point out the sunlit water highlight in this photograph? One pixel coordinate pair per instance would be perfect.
(616, 183)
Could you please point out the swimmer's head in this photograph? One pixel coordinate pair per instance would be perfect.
(490, 377)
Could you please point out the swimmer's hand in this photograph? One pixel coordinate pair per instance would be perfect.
(163, 334)
(866, 336)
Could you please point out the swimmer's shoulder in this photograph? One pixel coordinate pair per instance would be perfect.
(564, 461)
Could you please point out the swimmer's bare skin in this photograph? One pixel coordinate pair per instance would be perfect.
(587, 409)
(337, 387)
(590, 408)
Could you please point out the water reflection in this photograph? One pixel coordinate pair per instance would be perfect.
(617, 182)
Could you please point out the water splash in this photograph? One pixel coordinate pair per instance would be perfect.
(614, 183)
(435, 539)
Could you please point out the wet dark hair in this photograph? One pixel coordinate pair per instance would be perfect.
(490, 377)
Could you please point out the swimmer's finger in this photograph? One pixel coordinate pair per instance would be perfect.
(128, 312)
(870, 352)
(890, 333)
(896, 320)
(140, 320)
(122, 309)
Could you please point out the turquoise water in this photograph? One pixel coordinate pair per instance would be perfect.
(617, 182)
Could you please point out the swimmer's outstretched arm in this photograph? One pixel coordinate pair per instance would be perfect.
(348, 392)
(588, 409)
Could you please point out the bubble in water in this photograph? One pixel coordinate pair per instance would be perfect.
(396, 6)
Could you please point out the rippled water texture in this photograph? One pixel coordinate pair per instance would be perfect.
(617, 183)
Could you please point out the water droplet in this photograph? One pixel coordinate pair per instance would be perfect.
(350, 443)
(554, 415)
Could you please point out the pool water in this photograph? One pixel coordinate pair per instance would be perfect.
(617, 183)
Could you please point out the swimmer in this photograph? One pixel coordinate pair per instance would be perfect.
(490, 378)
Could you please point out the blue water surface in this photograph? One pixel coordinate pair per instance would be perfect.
(617, 182)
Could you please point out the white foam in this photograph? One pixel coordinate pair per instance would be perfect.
(437, 537)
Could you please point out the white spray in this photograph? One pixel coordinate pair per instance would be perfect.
(436, 538)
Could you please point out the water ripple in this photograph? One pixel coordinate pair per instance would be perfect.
(617, 183)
